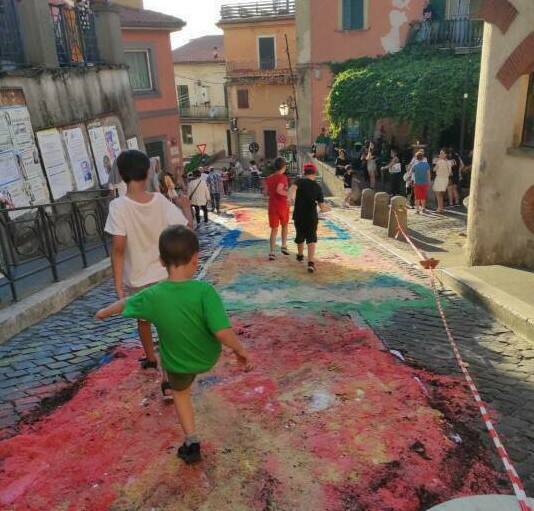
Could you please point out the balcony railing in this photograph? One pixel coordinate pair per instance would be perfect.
(11, 54)
(74, 29)
(262, 68)
(203, 112)
(263, 9)
(454, 33)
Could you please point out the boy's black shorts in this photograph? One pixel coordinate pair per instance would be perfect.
(306, 232)
(181, 381)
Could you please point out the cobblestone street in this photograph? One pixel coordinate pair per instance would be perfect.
(384, 295)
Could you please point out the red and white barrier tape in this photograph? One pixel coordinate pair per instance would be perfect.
(430, 264)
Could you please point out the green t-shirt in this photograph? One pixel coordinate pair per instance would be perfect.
(187, 315)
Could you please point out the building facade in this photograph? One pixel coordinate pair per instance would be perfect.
(501, 207)
(66, 105)
(200, 78)
(257, 39)
(148, 54)
(332, 31)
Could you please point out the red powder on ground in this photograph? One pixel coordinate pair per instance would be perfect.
(328, 421)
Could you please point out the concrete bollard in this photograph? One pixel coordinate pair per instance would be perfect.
(381, 209)
(398, 206)
(368, 204)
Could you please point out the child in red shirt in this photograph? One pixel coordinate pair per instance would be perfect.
(277, 190)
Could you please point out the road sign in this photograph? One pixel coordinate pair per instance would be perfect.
(254, 147)
(282, 139)
(202, 148)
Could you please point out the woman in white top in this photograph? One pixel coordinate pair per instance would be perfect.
(199, 195)
(441, 182)
(371, 165)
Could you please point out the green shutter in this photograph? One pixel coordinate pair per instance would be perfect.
(439, 9)
(353, 14)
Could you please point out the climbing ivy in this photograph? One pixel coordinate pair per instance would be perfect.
(420, 86)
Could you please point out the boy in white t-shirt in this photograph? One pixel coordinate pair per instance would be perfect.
(136, 221)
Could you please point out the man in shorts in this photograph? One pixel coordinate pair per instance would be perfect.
(277, 186)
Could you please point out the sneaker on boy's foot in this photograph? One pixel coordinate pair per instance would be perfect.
(311, 267)
(300, 258)
(148, 364)
(189, 453)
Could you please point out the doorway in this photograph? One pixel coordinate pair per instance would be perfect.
(271, 149)
(156, 148)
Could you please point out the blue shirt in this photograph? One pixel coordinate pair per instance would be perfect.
(420, 173)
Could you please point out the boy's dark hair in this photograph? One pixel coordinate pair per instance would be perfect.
(279, 163)
(133, 165)
(177, 245)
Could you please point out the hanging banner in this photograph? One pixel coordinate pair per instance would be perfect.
(55, 162)
(100, 152)
(80, 162)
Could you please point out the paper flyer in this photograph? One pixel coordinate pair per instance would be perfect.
(79, 158)
(55, 162)
(100, 152)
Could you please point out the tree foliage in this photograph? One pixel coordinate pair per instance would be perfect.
(420, 86)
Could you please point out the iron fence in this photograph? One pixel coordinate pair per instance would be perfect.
(11, 54)
(75, 33)
(262, 9)
(203, 112)
(454, 33)
(40, 238)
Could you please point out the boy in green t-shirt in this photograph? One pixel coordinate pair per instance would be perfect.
(191, 322)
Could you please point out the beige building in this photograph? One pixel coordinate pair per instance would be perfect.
(259, 79)
(200, 77)
(501, 216)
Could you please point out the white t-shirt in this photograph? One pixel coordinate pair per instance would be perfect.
(142, 225)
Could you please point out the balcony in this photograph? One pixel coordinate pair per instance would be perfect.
(257, 10)
(462, 33)
(74, 30)
(266, 71)
(204, 113)
(11, 54)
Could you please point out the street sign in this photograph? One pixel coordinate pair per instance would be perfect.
(254, 147)
(282, 139)
(202, 148)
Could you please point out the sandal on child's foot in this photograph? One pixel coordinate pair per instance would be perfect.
(165, 387)
(300, 258)
(272, 257)
(189, 453)
(148, 364)
(311, 267)
(285, 251)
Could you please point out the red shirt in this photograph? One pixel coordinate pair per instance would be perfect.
(277, 201)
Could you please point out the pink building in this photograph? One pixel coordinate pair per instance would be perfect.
(339, 30)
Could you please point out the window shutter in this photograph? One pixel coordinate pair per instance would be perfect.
(347, 14)
(242, 98)
(357, 14)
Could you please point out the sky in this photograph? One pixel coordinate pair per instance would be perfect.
(200, 16)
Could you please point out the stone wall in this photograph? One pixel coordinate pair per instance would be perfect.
(63, 96)
(332, 185)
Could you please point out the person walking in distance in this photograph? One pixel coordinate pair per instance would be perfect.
(277, 189)
(308, 196)
(215, 183)
(135, 222)
(441, 183)
(421, 180)
(347, 185)
(199, 195)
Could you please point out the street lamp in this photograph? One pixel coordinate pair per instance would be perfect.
(284, 110)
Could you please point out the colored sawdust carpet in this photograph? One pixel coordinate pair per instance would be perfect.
(327, 421)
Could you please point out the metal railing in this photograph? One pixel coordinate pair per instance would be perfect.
(454, 33)
(74, 30)
(40, 238)
(203, 112)
(11, 54)
(263, 9)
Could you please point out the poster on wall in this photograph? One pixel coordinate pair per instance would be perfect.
(55, 162)
(5, 134)
(20, 126)
(100, 151)
(132, 143)
(11, 181)
(80, 162)
(113, 145)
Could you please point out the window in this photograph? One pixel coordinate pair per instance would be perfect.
(242, 98)
(139, 70)
(267, 54)
(353, 15)
(528, 133)
(187, 134)
(183, 96)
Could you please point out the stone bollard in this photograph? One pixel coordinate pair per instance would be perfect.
(368, 201)
(381, 209)
(398, 205)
